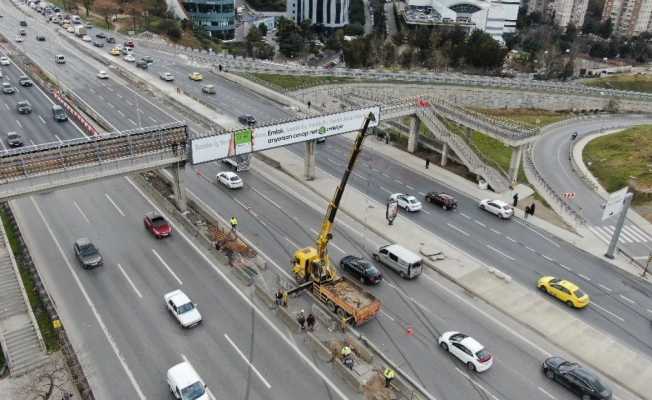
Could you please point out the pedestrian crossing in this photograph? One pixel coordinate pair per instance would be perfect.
(629, 234)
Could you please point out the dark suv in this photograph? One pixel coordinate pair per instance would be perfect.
(142, 64)
(362, 269)
(446, 201)
(247, 119)
(579, 380)
(87, 254)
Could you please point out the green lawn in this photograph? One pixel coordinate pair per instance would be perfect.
(492, 149)
(615, 159)
(639, 83)
(530, 117)
(292, 82)
(42, 317)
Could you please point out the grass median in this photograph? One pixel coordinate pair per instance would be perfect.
(293, 82)
(638, 83)
(530, 117)
(42, 318)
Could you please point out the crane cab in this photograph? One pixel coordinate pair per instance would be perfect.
(305, 266)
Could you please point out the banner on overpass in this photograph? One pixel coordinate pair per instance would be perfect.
(243, 141)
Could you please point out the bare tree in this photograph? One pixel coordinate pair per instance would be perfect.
(87, 5)
(105, 8)
(50, 379)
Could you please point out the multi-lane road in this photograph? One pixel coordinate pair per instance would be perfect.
(124, 340)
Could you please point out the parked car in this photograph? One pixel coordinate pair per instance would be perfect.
(7, 88)
(195, 76)
(407, 202)
(497, 207)
(14, 139)
(25, 81)
(208, 89)
(87, 254)
(166, 76)
(564, 290)
(229, 179)
(467, 350)
(4, 60)
(363, 270)
(445, 201)
(157, 225)
(578, 379)
(247, 119)
(102, 75)
(184, 310)
(24, 107)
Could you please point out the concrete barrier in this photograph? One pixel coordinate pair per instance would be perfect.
(360, 349)
(348, 375)
(264, 296)
(288, 319)
(267, 160)
(323, 352)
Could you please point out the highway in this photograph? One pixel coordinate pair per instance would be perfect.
(552, 158)
(512, 377)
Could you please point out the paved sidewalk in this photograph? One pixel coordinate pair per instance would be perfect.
(612, 358)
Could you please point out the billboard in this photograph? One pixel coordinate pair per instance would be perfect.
(248, 140)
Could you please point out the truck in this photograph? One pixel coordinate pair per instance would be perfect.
(313, 269)
(80, 30)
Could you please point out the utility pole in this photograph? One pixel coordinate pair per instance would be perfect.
(649, 260)
(619, 226)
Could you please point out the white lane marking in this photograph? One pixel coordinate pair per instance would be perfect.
(398, 181)
(129, 103)
(409, 187)
(100, 322)
(330, 160)
(385, 175)
(607, 311)
(7, 106)
(500, 252)
(547, 258)
(480, 223)
(58, 138)
(19, 124)
(648, 310)
(264, 196)
(604, 287)
(427, 212)
(121, 113)
(359, 176)
(584, 277)
(208, 391)
(384, 190)
(599, 233)
(531, 249)
(34, 144)
(565, 267)
(152, 119)
(510, 239)
(114, 205)
(495, 231)
(387, 315)
(634, 233)
(42, 120)
(335, 388)
(465, 216)
(132, 121)
(90, 89)
(244, 358)
(133, 286)
(422, 194)
(638, 230)
(119, 95)
(476, 384)
(167, 267)
(314, 231)
(81, 211)
(459, 230)
(108, 88)
(546, 393)
(243, 205)
(110, 105)
(627, 299)
(539, 233)
(337, 248)
(296, 246)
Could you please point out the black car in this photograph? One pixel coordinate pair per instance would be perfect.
(40, 38)
(87, 254)
(14, 139)
(142, 64)
(24, 107)
(362, 269)
(247, 119)
(579, 380)
(25, 81)
(97, 43)
(110, 39)
(446, 201)
(23, 23)
(148, 59)
(100, 35)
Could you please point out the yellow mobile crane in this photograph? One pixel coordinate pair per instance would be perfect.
(312, 267)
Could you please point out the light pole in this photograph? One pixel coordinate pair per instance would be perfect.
(619, 226)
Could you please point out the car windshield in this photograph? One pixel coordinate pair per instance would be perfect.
(566, 366)
(192, 392)
(412, 200)
(185, 308)
(13, 136)
(234, 179)
(578, 293)
(159, 221)
(87, 250)
(369, 268)
(483, 355)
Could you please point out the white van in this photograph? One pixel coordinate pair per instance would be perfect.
(400, 259)
(185, 383)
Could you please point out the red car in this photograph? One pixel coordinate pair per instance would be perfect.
(130, 43)
(157, 225)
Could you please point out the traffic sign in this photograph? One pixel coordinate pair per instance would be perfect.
(614, 204)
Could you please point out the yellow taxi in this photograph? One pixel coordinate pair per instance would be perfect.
(564, 290)
(115, 51)
(195, 76)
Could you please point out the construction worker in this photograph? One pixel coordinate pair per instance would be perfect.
(310, 321)
(389, 375)
(301, 319)
(234, 223)
(279, 297)
(347, 357)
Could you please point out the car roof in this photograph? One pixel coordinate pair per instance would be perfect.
(568, 285)
(13, 134)
(183, 374)
(228, 174)
(471, 344)
(152, 215)
(83, 241)
(403, 253)
(177, 297)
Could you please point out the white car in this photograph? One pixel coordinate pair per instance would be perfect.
(497, 207)
(166, 76)
(4, 60)
(185, 383)
(86, 38)
(19, 39)
(229, 179)
(407, 202)
(129, 58)
(102, 75)
(70, 29)
(467, 349)
(184, 310)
